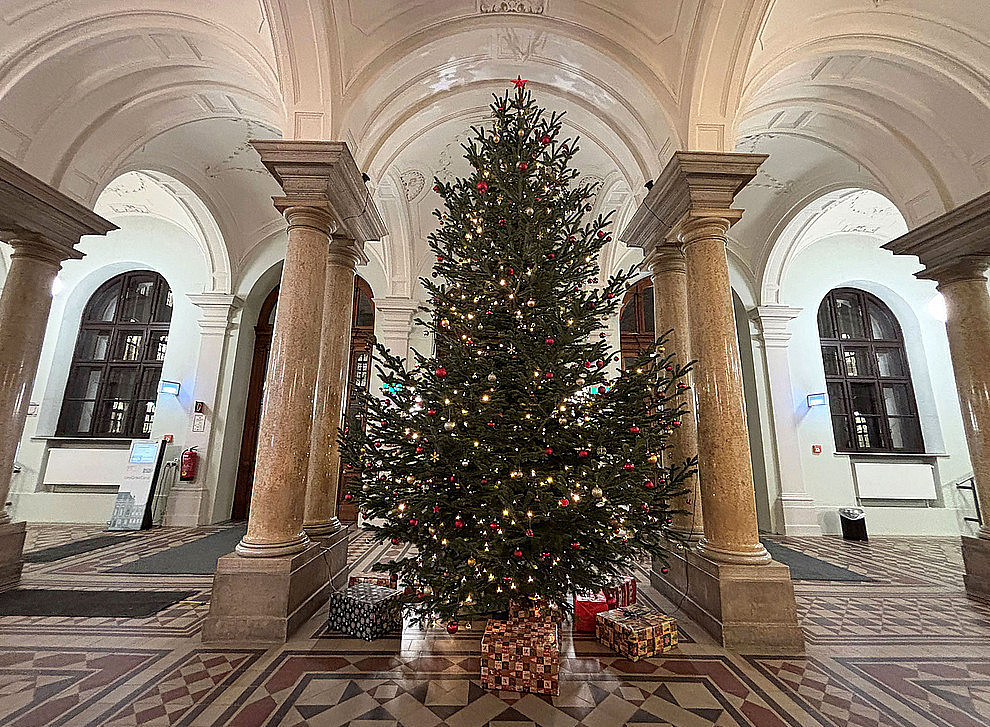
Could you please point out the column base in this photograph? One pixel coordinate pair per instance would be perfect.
(976, 557)
(11, 552)
(266, 599)
(746, 608)
(800, 515)
(334, 547)
(186, 506)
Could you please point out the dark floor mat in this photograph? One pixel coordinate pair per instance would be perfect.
(76, 547)
(196, 558)
(807, 568)
(103, 604)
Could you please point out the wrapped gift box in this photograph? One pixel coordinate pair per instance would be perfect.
(530, 610)
(385, 580)
(366, 611)
(621, 593)
(521, 656)
(586, 608)
(636, 631)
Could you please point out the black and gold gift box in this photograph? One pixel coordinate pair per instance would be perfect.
(636, 631)
(366, 611)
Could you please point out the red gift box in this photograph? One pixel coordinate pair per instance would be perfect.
(586, 608)
(621, 593)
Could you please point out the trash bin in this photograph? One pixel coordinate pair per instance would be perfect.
(853, 521)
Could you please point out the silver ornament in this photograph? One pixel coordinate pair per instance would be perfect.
(448, 425)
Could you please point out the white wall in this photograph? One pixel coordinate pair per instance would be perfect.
(142, 243)
(856, 260)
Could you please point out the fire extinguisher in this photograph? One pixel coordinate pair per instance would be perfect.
(187, 469)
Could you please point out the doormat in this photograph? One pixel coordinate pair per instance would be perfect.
(76, 547)
(101, 604)
(196, 558)
(807, 568)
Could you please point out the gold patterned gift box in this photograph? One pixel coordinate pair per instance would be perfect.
(385, 580)
(521, 656)
(636, 631)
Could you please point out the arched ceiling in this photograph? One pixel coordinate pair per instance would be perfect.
(889, 95)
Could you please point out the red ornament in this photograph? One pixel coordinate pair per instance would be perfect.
(482, 187)
(587, 364)
(583, 453)
(599, 363)
(523, 166)
(436, 187)
(348, 497)
(649, 485)
(628, 466)
(529, 533)
(491, 424)
(436, 509)
(413, 521)
(440, 372)
(452, 628)
(549, 374)
(519, 82)
(551, 256)
(518, 553)
(395, 541)
(419, 450)
(644, 507)
(564, 502)
(549, 341)
(676, 423)
(501, 220)
(458, 523)
(634, 429)
(439, 258)
(432, 412)
(549, 451)
(665, 570)
(545, 140)
(494, 526)
(575, 545)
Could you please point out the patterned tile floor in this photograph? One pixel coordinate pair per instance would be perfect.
(908, 649)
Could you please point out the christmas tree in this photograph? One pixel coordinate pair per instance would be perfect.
(511, 459)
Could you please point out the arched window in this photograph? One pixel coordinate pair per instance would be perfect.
(117, 364)
(636, 327)
(866, 372)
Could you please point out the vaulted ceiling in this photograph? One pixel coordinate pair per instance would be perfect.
(887, 95)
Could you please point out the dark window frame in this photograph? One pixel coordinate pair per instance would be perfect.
(637, 307)
(143, 369)
(853, 371)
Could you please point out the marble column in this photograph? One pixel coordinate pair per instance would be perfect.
(331, 388)
(727, 495)
(277, 499)
(24, 305)
(669, 271)
(800, 515)
(967, 324)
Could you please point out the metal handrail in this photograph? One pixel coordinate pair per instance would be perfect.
(969, 483)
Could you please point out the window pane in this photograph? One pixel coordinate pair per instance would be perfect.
(77, 417)
(830, 356)
(364, 316)
(897, 400)
(103, 305)
(157, 346)
(146, 417)
(648, 309)
(163, 304)
(867, 432)
(856, 361)
(120, 383)
(113, 416)
(627, 321)
(84, 382)
(128, 346)
(882, 324)
(825, 327)
(138, 300)
(148, 388)
(890, 363)
(905, 434)
(840, 428)
(864, 398)
(837, 398)
(849, 316)
(94, 345)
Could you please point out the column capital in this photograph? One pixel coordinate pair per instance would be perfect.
(217, 310)
(29, 208)
(693, 186)
(395, 310)
(667, 258)
(347, 252)
(773, 322)
(324, 175)
(965, 267)
(37, 247)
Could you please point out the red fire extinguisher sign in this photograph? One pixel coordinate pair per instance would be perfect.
(187, 467)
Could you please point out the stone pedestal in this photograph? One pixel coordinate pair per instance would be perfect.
(976, 557)
(11, 553)
(745, 608)
(266, 599)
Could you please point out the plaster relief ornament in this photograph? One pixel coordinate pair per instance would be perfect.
(513, 460)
